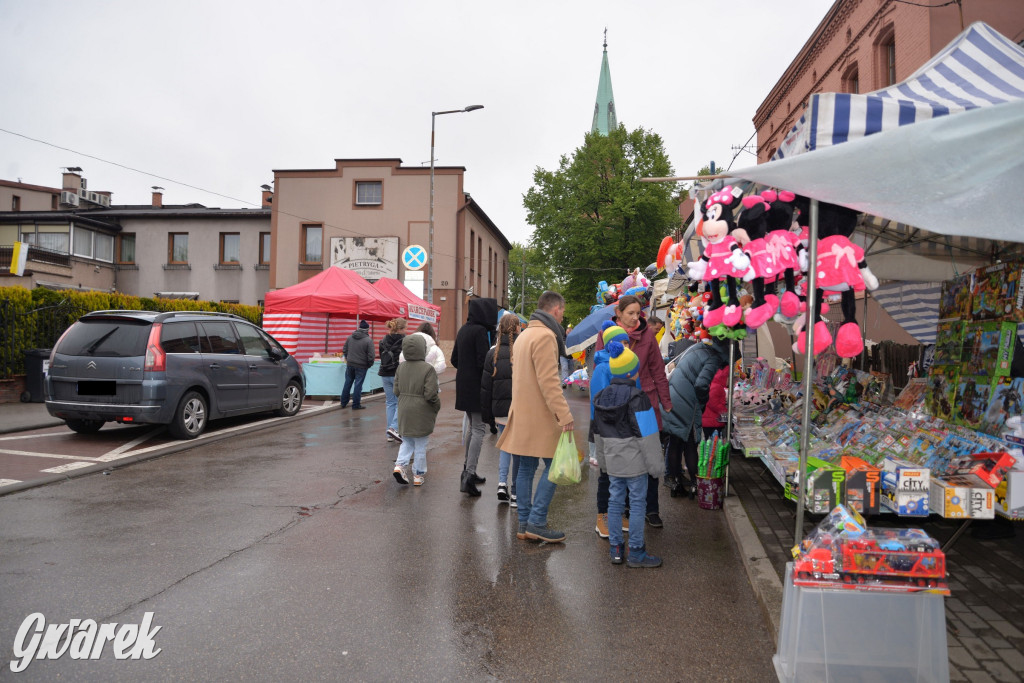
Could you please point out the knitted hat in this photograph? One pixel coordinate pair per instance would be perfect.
(623, 362)
(612, 332)
(363, 325)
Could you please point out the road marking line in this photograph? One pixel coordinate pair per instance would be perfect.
(34, 436)
(70, 466)
(116, 453)
(8, 482)
(45, 455)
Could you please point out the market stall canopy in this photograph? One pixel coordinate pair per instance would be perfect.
(957, 170)
(337, 291)
(418, 309)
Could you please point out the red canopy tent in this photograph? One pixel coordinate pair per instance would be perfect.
(318, 315)
(417, 308)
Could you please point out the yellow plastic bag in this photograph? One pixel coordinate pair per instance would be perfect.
(565, 465)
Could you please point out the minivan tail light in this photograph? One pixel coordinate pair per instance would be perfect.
(155, 356)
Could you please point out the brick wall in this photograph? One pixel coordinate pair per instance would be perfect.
(11, 389)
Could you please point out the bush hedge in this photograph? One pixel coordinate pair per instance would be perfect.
(36, 318)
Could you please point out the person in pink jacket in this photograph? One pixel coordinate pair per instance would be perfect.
(717, 404)
(653, 381)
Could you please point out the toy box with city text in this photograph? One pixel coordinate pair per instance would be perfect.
(961, 498)
(905, 487)
(997, 294)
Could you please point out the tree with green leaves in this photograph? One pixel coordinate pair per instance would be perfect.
(594, 220)
(529, 275)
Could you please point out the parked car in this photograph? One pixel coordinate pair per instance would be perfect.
(181, 369)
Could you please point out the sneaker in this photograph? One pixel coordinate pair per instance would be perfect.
(391, 439)
(400, 475)
(602, 525)
(512, 501)
(502, 492)
(617, 553)
(417, 479)
(593, 462)
(654, 519)
(393, 435)
(521, 534)
(639, 558)
(542, 533)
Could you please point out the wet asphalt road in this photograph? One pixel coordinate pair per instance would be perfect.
(292, 554)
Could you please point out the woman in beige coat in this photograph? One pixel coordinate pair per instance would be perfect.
(538, 415)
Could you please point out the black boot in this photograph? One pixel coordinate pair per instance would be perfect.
(477, 479)
(468, 486)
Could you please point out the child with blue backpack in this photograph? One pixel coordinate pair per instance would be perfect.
(628, 445)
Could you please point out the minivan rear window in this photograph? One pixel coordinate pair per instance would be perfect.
(106, 338)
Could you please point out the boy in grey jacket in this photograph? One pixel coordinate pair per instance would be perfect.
(418, 403)
(625, 432)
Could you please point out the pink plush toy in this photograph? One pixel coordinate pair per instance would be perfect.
(751, 229)
(784, 244)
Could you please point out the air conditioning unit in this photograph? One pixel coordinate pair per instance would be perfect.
(83, 194)
(84, 184)
(104, 200)
(93, 197)
(69, 198)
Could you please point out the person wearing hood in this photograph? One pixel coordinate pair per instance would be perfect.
(690, 385)
(435, 356)
(359, 356)
(629, 316)
(418, 404)
(390, 350)
(468, 355)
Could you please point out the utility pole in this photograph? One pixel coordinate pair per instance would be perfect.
(522, 286)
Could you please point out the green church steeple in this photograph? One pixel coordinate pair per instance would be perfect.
(604, 108)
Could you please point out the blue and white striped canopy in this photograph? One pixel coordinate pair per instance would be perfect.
(980, 68)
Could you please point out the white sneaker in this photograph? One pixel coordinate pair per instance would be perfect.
(417, 479)
(400, 475)
(393, 435)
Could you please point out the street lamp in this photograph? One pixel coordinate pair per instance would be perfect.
(430, 244)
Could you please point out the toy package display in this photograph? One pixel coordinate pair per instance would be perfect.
(942, 386)
(1006, 400)
(997, 294)
(961, 498)
(971, 400)
(863, 485)
(912, 396)
(870, 559)
(988, 349)
(949, 342)
(955, 297)
(905, 487)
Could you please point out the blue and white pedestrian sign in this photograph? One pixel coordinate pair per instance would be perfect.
(414, 257)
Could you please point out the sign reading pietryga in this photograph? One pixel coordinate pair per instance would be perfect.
(422, 313)
(371, 257)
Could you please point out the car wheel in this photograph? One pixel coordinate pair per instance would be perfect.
(292, 400)
(85, 426)
(190, 417)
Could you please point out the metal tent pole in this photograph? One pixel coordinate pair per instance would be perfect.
(728, 419)
(805, 427)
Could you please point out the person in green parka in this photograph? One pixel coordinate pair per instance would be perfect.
(418, 404)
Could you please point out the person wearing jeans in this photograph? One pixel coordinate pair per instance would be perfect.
(507, 461)
(533, 507)
(496, 397)
(390, 350)
(359, 356)
(353, 386)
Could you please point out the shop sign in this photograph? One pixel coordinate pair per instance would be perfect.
(422, 313)
(371, 257)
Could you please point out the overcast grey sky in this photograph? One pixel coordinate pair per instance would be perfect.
(218, 94)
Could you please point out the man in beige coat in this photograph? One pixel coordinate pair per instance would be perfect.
(538, 415)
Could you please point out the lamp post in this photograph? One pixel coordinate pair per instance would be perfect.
(430, 244)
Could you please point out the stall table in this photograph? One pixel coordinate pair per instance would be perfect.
(327, 378)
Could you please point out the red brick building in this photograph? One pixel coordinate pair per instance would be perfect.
(864, 45)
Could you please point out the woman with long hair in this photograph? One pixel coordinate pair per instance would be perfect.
(390, 350)
(435, 356)
(496, 397)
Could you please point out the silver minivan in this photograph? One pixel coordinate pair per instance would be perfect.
(181, 368)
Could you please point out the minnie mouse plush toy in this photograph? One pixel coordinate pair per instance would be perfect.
(783, 243)
(723, 258)
(751, 228)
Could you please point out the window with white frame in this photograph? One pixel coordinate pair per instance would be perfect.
(91, 244)
(369, 193)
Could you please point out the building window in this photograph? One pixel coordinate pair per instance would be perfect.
(890, 63)
(15, 203)
(851, 80)
(886, 56)
(229, 243)
(264, 248)
(177, 247)
(472, 256)
(369, 193)
(54, 241)
(91, 244)
(126, 248)
(312, 243)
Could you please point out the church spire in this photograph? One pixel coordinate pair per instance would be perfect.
(604, 108)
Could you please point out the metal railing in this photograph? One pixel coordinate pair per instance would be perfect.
(37, 254)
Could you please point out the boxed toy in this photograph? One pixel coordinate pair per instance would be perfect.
(863, 482)
(997, 294)
(988, 468)
(961, 498)
(1006, 400)
(913, 395)
(988, 349)
(1009, 495)
(823, 486)
(955, 297)
(905, 487)
(949, 342)
(942, 381)
(971, 402)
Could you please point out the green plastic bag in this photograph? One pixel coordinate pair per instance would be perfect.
(565, 466)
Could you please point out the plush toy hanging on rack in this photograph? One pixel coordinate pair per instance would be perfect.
(783, 243)
(635, 283)
(841, 267)
(751, 229)
(723, 259)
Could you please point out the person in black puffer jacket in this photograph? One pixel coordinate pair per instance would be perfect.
(390, 350)
(471, 344)
(690, 385)
(496, 397)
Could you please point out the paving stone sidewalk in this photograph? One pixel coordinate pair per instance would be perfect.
(984, 614)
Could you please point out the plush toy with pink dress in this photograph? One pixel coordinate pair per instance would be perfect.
(751, 230)
(783, 243)
(723, 259)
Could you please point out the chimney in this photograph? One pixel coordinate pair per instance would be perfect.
(158, 199)
(268, 197)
